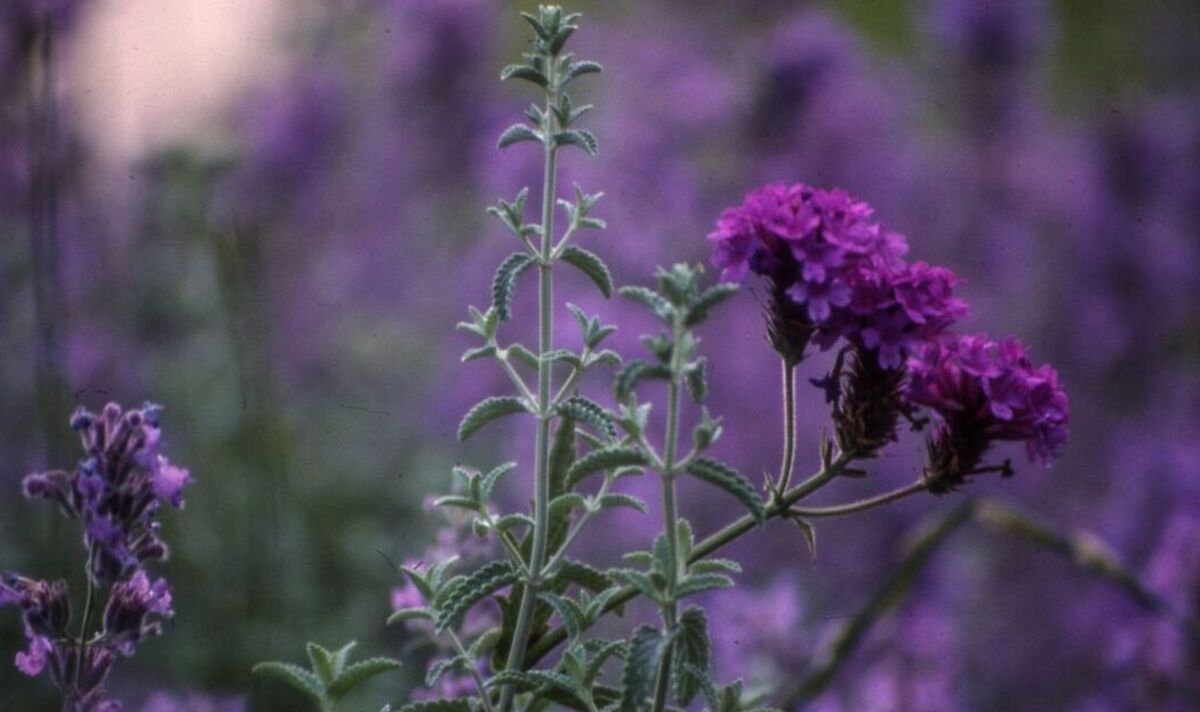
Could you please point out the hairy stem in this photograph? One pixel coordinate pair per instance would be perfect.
(88, 602)
(862, 504)
(541, 497)
(670, 519)
(789, 426)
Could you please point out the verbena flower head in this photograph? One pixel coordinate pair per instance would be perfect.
(834, 273)
(117, 489)
(984, 391)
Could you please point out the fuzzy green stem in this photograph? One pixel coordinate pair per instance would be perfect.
(88, 603)
(789, 426)
(541, 498)
(670, 519)
(862, 504)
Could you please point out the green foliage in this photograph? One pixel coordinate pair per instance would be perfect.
(486, 411)
(468, 591)
(330, 677)
(645, 650)
(718, 473)
(591, 265)
(690, 655)
(634, 372)
(587, 411)
(505, 281)
(609, 458)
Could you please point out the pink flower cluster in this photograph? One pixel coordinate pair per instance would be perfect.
(823, 250)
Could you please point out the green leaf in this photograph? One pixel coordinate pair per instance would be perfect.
(620, 499)
(520, 680)
(580, 138)
(570, 571)
(516, 134)
(579, 69)
(696, 379)
(360, 672)
(650, 299)
(321, 662)
(710, 566)
(562, 454)
(488, 484)
(691, 652)
(505, 281)
(810, 535)
(420, 582)
(588, 411)
(486, 411)
(525, 72)
(639, 580)
(294, 675)
(453, 500)
(401, 615)
(718, 473)
(591, 265)
(478, 353)
(711, 297)
(562, 505)
(523, 355)
(441, 667)
(613, 648)
(485, 581)
(698, 583)
(608, 458)
(635, 371)
(569, 611)
(641, 664)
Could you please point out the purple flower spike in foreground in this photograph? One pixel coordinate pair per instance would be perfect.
(985, 391)
(115, 493)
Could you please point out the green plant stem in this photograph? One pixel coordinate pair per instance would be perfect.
(541, 498)
(88, 602)
(862, 504)
(670, 519)
(708, 545)
(789, 426)
(479, 684)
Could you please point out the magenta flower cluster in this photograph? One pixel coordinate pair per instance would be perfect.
(843, 270)
(847, 276)
(115, 493)
(985, 390)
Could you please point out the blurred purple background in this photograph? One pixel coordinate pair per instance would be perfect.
(269, 218)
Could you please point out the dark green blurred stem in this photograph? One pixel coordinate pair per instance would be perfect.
(1088, 552)
(861, 505)
(88, 602)
(918, 554)
(789, 426)
(709, 545)
(541, 498)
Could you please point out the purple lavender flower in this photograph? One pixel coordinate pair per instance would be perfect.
(115, 493)
(985, 391)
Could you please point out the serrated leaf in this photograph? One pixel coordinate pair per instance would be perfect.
(580, 138)
(608, 458)
(710, 298)
(698, 583)
(441, 667)
(508, 521)
(562, 454)
(520, 680)
(721, 475)
(488, 484)
(696, 380)
(438, 571)
(563, 356)
(570, 571)
(634, 372)
(591, 265)
(567, 610)
(295, 676)
(612, 648)
(486, 411)
(579, 69)
(641, 664)
(587, 411)
(620, 499)
(401, 615)
(485, 581)
(562, 505)
(516, 134)
(420, 582)
(484, 644)
(691, 651)
(651, 300)
(505, 281)
(321, 662)
(523, 355)
(639, 580)
(710, 566)
(525, 72)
